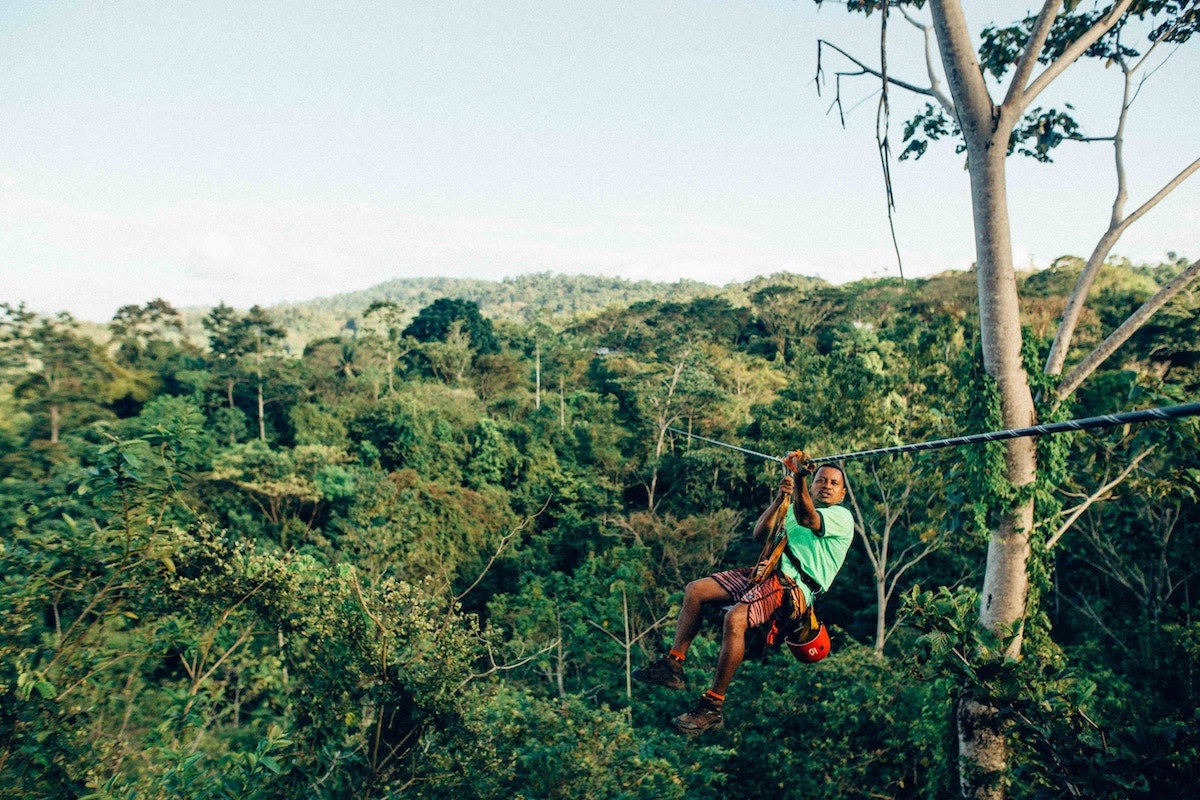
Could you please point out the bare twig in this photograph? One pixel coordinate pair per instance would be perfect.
(505, 540)
(1095, 496)
(868, 70)
(935, 84)
(497, 667)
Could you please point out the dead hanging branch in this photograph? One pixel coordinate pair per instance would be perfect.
(864, 69)
(882, 142)
(934, 90)
(883, 112)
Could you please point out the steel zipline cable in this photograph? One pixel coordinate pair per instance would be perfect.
(730, 446)
(1087, 423)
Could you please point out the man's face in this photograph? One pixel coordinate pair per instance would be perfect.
(828, 488)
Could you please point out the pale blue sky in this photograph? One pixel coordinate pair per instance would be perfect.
(255, 152)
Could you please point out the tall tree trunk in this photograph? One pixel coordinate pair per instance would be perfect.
(982, 749)
(1006, 582)
(55, 423)
(881, 604)
(262, 426)
(986, 129)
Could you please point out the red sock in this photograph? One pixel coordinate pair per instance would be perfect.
(675, 654)
(716, 698)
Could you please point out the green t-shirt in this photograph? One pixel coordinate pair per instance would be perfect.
(822, 555)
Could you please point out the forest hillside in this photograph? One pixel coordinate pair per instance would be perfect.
(412, 542)
(521, 298)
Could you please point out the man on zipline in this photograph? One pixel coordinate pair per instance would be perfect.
(818, 531)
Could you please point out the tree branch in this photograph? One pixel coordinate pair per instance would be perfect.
(1073, 51)
(504, 542)
(935, 85)
(866, 70)
(1101, 623)
(658, 623)
(1116, 228)
(495, 667)
(1127, 328)
(861, 527)
(1167, 188)
(894, 579)
(1077, 512)
(973, 103)
(1033, 47)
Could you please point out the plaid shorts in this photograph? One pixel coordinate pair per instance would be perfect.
(762, 598)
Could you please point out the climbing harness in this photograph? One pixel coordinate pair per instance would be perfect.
(1087, 423)
(806, 637)
(773, 547)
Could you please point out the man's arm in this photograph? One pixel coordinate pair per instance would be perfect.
(769, 520)
(805, 509)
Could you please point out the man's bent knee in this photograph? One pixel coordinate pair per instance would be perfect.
(705, 590)
(737, 618)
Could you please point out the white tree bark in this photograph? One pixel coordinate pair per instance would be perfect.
(983, 752)
(986, 128)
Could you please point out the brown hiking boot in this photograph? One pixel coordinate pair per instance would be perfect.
(704, 716)
(665, 672)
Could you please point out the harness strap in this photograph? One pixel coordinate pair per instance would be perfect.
(773, 547)
(809, 580)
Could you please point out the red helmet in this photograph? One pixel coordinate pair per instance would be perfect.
(814, 649)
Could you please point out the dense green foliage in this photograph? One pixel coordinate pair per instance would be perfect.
(419, 558)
